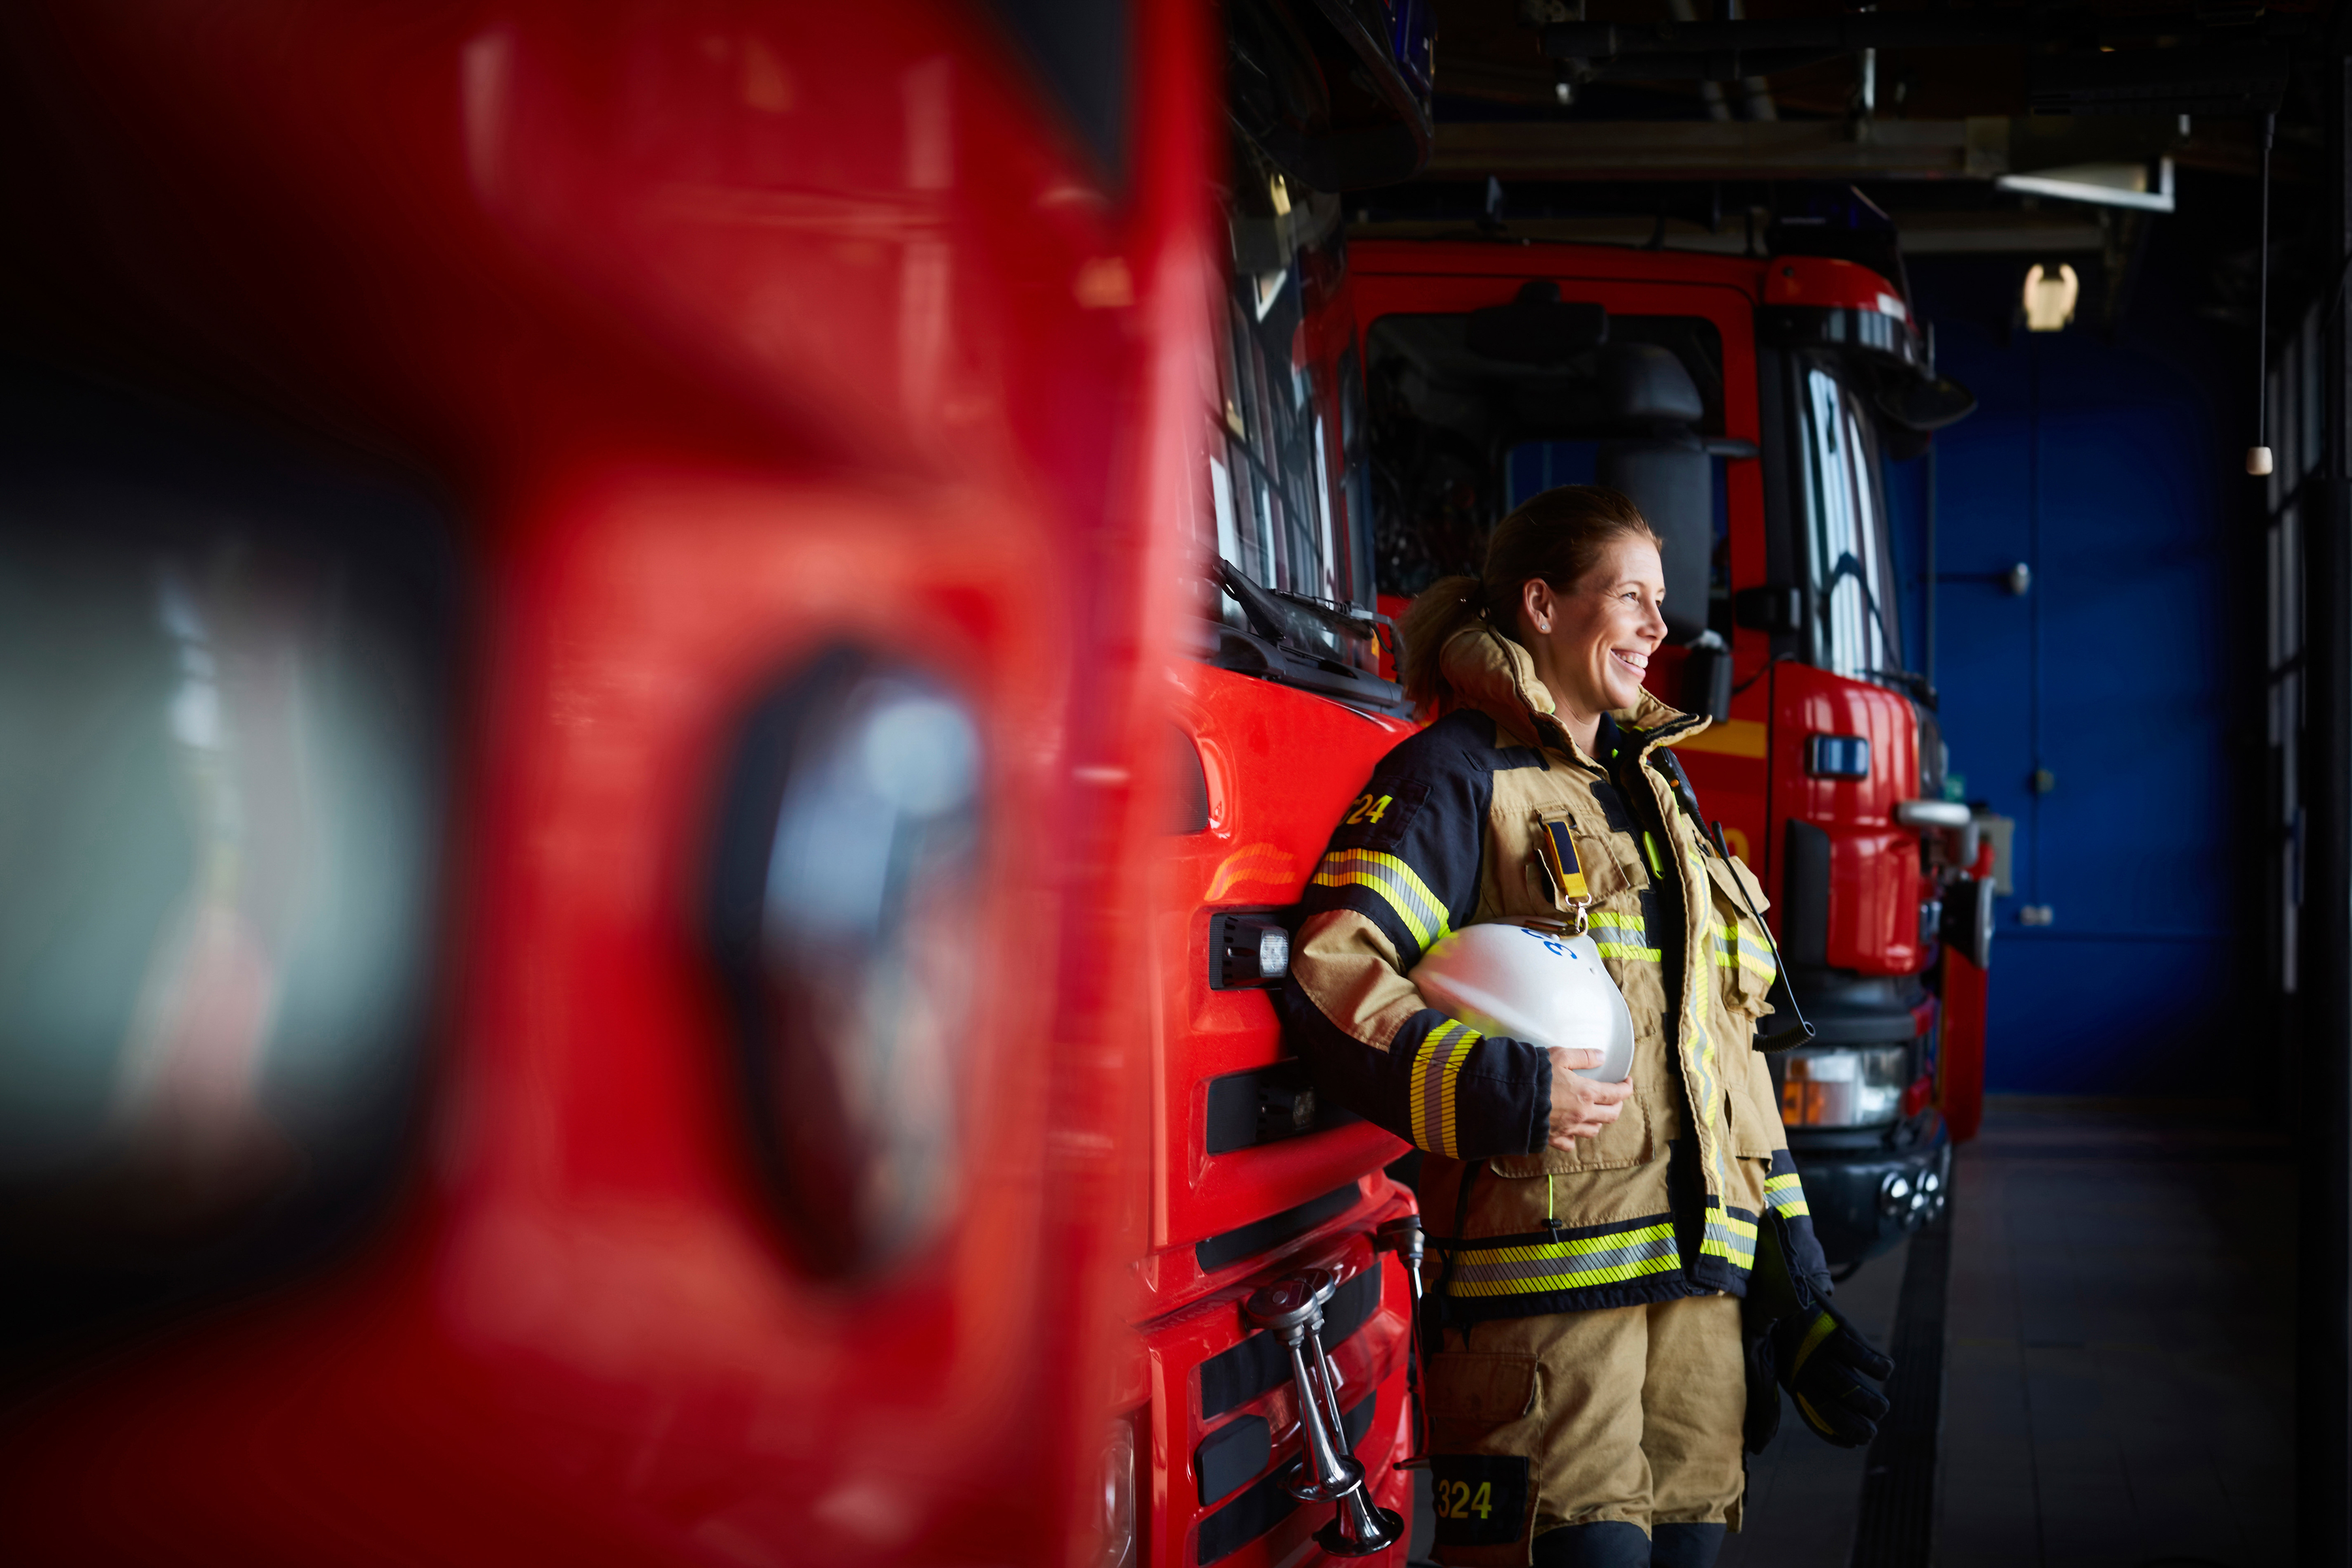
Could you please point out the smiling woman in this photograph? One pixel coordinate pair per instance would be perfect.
(1596, 1231)
(1574, 575)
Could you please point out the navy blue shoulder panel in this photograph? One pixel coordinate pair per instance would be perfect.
(1407, 854)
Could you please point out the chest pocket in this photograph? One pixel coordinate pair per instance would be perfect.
(1622, 1143)
(1739, 953)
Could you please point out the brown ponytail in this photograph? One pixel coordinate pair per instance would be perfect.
(1558, 536)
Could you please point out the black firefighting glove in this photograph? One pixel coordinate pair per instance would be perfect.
(1797, 1340)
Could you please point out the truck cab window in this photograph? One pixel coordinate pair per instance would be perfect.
(1848, 555)
(1280, 502)
(1462, 434)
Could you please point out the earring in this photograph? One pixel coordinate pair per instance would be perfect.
(1543, 626)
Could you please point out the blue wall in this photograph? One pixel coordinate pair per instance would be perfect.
(2100, 464)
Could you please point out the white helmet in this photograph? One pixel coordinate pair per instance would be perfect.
(1542, 987)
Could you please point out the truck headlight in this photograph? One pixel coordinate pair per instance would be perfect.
(1845, 1087)
(847, 867)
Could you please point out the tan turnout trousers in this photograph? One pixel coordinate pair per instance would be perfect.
(1623, 1413)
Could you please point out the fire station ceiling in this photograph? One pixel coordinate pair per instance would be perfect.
(1935, 61)
(2044, 129)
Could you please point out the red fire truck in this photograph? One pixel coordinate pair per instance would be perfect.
(1747, 402)
(582, 638)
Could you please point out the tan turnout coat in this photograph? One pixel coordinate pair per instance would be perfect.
(1664, 1203)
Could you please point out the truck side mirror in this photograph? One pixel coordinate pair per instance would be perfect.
(1664, 466)
(1707, 679)
(1775, 607)
(1672, 481)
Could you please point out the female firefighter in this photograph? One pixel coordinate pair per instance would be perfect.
(1620, 1272)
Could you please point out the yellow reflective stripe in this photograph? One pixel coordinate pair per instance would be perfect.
(1628, 950)
(1567, 1279)
(1733, 949)
(1785, 1195)
(1811, 1414)
(1436, 1070)
(1423, 912)
(1569, 1247)
(1824, 1327)
(1616, 921)
(1567, 1265)
(1730, 1236)
(1710, 1100)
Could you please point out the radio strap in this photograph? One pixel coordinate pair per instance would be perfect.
(1557, 851)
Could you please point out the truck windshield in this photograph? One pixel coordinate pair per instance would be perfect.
(1850, 562)
(1459, 437)
(1281, 496)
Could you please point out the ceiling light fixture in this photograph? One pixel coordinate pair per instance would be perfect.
(2099, 185)
(2050, 297)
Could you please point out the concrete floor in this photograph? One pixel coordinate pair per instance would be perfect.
(2119, 1362)
(2119, 1380)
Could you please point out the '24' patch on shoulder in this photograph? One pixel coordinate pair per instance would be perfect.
(1377, 818)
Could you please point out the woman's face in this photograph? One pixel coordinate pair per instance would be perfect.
(1593, 643)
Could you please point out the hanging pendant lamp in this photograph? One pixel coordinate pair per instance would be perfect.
(2258, 456)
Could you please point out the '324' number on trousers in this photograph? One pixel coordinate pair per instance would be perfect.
(1455, 1499)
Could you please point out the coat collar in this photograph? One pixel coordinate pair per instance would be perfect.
(1493, 674)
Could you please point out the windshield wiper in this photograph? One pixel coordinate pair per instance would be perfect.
(1910, 680)
(1279, 649)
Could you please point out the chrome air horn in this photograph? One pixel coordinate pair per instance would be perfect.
(1291, 1308)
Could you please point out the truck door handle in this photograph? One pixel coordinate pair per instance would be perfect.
(1931, 814)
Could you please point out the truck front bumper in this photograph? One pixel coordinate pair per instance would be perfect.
(1866, 1200)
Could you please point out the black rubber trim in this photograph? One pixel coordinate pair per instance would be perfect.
(1265, 1105)
(1228, 1457)
(1267, 1503)
(1235, 1377)
(1265, 1234)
